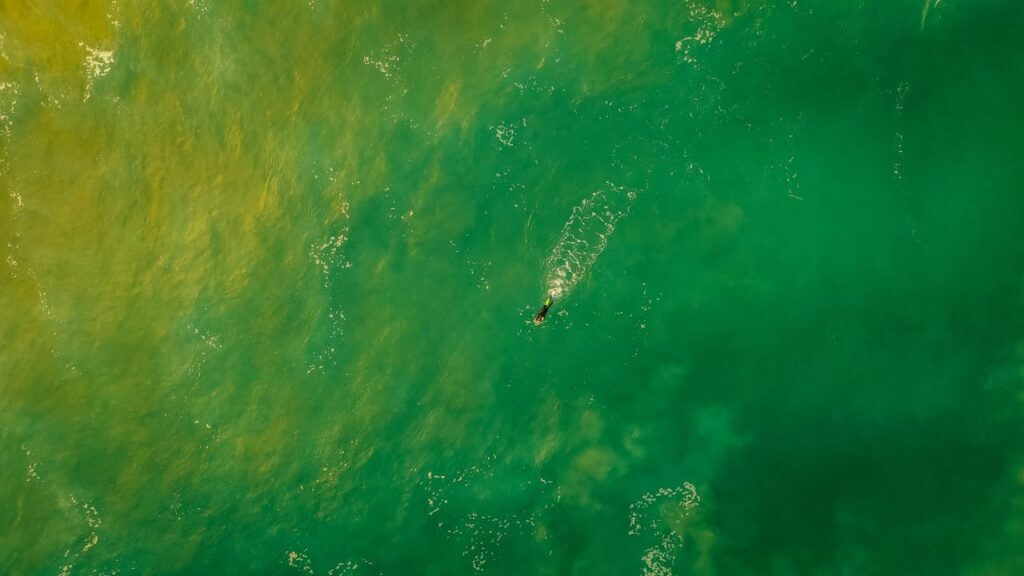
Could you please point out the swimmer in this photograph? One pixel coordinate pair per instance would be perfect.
(543, 311)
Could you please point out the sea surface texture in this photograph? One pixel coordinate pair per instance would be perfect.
(268, 272)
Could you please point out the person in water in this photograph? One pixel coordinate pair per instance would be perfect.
(543, 311)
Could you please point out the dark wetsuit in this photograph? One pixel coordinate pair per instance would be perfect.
(543, 311)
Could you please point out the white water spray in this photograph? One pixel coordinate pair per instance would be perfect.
(584, 237)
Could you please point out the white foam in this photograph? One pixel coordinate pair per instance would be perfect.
(9, 93)
(659, 558)
(301, 561)
(353, 567)
(584, 236)
(93, 521)
(111, 16)
(97, 64)
(707, 23)
(328, 255)
(480, 535)
(928, 4)
(506, 133)
(387, 60)
(901, 98)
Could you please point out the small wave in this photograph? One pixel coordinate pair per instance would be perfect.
(584, 236)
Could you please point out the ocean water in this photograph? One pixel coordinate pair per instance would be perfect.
(269, 271)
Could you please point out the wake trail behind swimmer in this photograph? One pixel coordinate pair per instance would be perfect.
(582, 240)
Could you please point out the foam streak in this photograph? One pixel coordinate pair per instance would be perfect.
(583, 238)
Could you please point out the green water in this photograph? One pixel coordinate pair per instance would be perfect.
(269, 271)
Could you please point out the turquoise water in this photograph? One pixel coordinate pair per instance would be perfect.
(270, 269)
